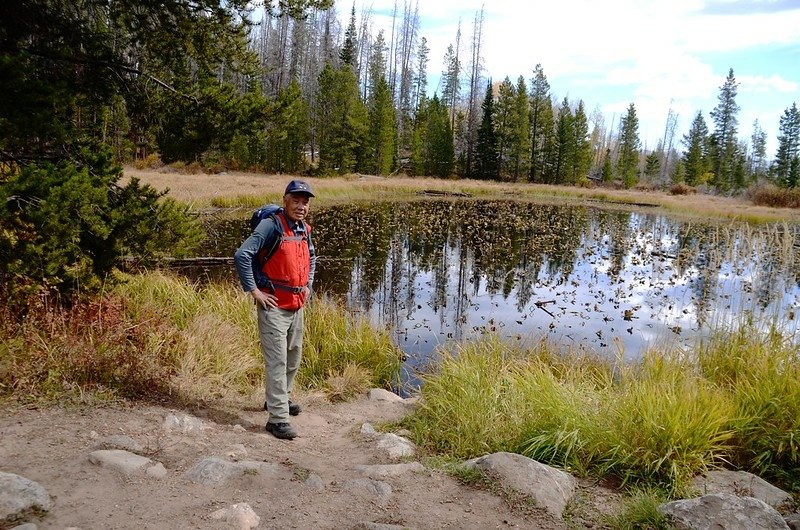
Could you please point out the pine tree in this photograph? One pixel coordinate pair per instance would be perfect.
(288, 131)
(439, 155)
(724, 141)
(504, 118)
(582, 158)
(565, 144)
(758, 157)
(382, 131)
(786, 167)
(341, 120)
(652, 165)
(518, 149)
(628, 162)
(541, 125)
(486, 154)
(347, 55)
(696, 161)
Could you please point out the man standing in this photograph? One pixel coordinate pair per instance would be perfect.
(280, 285)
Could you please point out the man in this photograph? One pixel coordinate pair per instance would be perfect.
(280, 285)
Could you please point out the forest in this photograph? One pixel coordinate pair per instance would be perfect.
(290, 87)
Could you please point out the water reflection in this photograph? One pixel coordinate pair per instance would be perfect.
(609, 281)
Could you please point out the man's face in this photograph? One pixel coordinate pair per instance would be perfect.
(296, 205)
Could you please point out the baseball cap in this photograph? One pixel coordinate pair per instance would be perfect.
(299, 186)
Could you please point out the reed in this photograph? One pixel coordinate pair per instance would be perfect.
(653, 423)
(158, 334)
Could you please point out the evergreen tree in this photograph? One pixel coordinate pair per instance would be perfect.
(652, 165)
(607, 173)
(758, 158)
(786, 167)
(696, 160)
(486, 152)
(565, 144)
(582, 158)
(382, 131)
(628, 162)
(348, 55)
(341, 120)
(724, 141)
(504, 121)
(439, 154)
(288, 131)
(541, 125)
(520, 140)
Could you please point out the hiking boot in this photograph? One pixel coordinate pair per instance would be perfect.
(294, 408)
(283, 431)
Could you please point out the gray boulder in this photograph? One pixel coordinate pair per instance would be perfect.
(19, 495)
(549, 487)
(742, 484)
(723, 511)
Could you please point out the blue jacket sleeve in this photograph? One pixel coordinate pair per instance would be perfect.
(246, 255)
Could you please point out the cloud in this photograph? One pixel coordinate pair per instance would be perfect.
(749, 7)
(774, 83)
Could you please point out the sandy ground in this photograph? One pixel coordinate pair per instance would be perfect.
(51, 447)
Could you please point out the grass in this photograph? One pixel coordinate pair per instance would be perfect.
(249, 190)
(655, 423)
(159, 335)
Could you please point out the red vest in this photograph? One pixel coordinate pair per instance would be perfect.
(288, 268)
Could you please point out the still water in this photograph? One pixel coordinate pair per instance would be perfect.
(614, 282)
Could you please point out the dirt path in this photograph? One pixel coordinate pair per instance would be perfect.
(51, 447)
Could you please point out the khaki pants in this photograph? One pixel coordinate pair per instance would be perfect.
(281, 335)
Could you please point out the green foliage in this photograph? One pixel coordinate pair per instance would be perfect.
(340, 120)
(725, 153)
(657, 422)
(542, 136)
(335, 343)
(381, 138)
(287, 131)
(628, 162)
(786, 167)
(432, 141)
(66, 226)
(487, 156)
(640, 511)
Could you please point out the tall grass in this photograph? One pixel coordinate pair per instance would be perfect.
(160, 334)
(656, 422)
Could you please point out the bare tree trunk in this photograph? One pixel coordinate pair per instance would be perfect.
(474, 81)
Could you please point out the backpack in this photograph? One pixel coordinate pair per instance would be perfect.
(265, 212)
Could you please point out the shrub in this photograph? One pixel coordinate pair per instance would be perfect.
(681, 188)
(66, 227)
(771, 195)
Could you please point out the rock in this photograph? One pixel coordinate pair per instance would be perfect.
(240, 516)
(238, 429)
(236, 452)
(19, 495)
(380, 489)
(390, 470)
(184, 423)
(793, 521)
(368, 429)
(379, 394)
(214, 470)
(118, 441)
(26, 526)
(157, 471)
(723, 510)
(315, 482)
(396, 447)
(549, 487)
(742, 484)
(123, 461)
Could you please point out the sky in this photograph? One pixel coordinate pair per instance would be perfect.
(657, 54)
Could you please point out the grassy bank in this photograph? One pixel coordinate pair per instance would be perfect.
(159, 336)
(248, 190)
(734, 401)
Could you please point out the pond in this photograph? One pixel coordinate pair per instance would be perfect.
(609, 281)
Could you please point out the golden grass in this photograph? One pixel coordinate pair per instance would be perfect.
(251, 189)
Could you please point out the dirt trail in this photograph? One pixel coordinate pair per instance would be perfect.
(51, 447)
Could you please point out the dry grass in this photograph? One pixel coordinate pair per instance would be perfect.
(251, 189)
